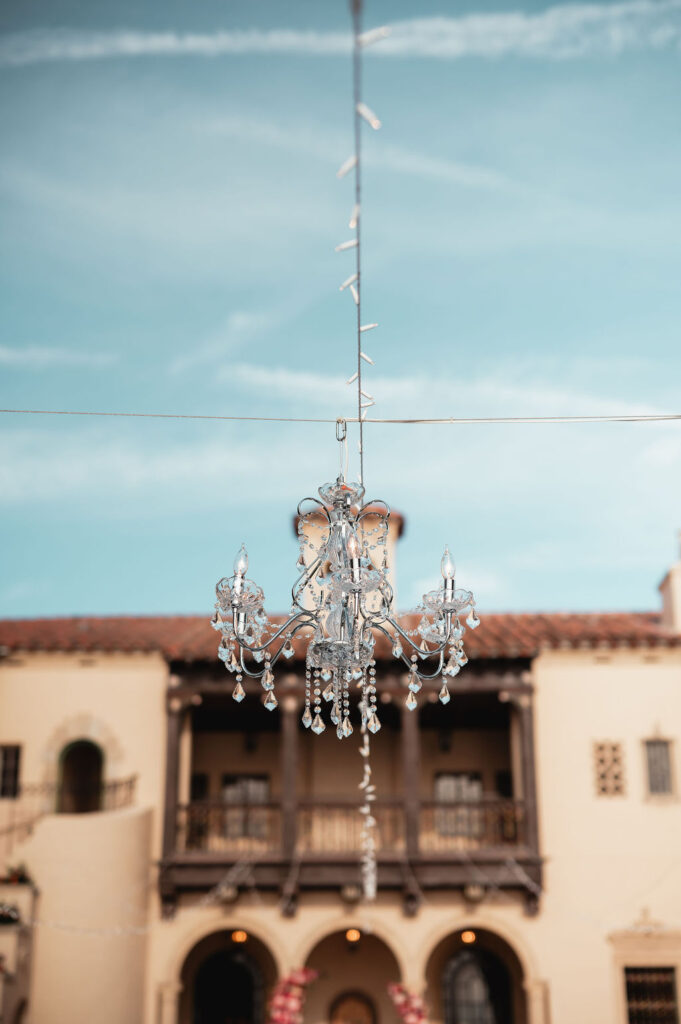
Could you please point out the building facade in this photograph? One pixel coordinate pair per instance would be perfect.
(170, 854)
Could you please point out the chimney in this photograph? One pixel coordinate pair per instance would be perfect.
(670, 588)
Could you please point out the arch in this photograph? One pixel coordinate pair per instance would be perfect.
(358, 970)
(81, 776)
(372, 925)
(482, 979)
(486, 922)
(217, 922)
(82, 727)
(224, 981)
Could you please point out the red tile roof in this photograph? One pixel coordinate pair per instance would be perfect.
(190, 637)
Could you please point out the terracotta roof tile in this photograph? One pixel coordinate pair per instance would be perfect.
(190, 637)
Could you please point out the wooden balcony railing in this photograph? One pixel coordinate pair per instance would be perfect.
(213, 826)
(336, 827)
(471, 825)
(333, 827)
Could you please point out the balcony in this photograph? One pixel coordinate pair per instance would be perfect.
(33, 801)
(333, 828)
(251, 789)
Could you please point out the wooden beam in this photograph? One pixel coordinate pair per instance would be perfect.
(525, 711)
(411, 778)
(469, 681)
(289, 763)
(173, 729)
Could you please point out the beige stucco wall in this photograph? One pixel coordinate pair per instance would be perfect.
(606, 858)
(115, 700)
(95, 884)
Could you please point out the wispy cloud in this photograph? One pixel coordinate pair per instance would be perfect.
(564, 31)
(423, 395)
(240, 327)
(315, 142)
(42, 465)
(38, 357)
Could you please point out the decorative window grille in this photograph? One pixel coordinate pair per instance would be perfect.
(651, 995)
(609, 768)
(659, 761)
(9, 772)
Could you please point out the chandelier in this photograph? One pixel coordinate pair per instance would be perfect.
(340, 602)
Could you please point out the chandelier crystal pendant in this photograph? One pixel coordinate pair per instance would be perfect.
(341, 601)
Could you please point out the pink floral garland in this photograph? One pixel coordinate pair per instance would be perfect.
(286, 1004)
(409, 1006)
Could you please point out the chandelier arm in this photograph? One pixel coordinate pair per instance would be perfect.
(387, 635)
(368, 508)
(422, 654)
(436, 673)
(315, 501)
(308, 575)
(254, 648)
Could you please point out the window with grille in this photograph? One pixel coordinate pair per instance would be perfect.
(651, 995)
(9, 771)
(244, 793)
(609, 768)
(459, 788)
(659, 762)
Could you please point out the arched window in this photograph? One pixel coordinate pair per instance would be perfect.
(80, 778)
(477, 989)
(352, 1008)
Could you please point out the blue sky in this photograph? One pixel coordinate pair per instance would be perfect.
(170, 210)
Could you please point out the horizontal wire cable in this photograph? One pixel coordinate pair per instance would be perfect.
(622, 418)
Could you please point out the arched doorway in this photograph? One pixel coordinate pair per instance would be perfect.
(475, 977)
(225, 979)
(81, 771)
(353, 979)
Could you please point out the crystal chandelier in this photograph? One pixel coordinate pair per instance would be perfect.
(341, 601)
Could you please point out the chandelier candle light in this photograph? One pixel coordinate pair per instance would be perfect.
(342, 599)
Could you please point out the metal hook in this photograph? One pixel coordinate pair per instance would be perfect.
(341, 429)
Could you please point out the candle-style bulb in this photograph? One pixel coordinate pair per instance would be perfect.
(353, 549)
(241, 562)
(447, 566)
